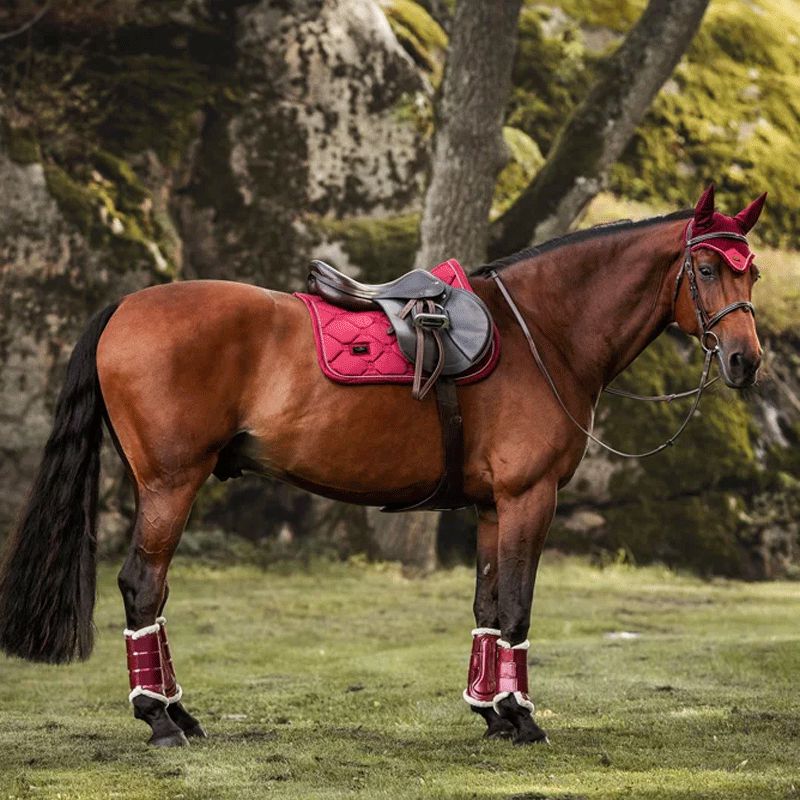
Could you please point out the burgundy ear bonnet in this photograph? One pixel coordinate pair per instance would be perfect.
(706, 220)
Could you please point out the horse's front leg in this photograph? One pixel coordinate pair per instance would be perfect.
(481, 679)
(523, 522)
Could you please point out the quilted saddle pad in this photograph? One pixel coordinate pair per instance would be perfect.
(359, 346)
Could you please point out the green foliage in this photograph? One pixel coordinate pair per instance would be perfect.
(550, 76)
(614, 15)
(20, 144)
(345, 681)
(730, 114)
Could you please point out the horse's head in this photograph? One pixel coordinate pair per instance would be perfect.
(712, 295)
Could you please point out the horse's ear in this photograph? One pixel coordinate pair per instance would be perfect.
(704, 210)
(748, 216)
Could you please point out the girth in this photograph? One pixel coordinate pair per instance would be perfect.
(443, 331)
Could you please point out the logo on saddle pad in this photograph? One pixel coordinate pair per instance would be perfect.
(707, 221)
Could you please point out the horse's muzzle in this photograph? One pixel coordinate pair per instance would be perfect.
(739, 368)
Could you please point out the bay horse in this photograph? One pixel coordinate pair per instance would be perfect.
(205, 377)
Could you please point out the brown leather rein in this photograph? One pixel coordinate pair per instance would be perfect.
(705, 322)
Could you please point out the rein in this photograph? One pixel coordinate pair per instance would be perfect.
(705, 322)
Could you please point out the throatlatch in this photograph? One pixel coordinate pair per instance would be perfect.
(150, 667)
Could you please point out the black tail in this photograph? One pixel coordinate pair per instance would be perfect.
(47, 578)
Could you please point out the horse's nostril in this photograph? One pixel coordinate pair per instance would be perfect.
(742, 368)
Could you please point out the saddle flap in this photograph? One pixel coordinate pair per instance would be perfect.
(466, 340)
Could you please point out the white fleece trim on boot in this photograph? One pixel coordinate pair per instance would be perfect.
(522, 701)
(521, 646)
(138, 691)
(476, 703)
(177, 696)
(485, 632)
(129, 634)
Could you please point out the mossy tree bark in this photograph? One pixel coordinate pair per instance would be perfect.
(596, 133)
(469, 150)
(469, 153)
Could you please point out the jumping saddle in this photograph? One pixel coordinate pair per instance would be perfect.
(442, 330)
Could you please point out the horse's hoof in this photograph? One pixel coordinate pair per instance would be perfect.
(538, 737)
(175, 739)
(195, 731)
(501, 729)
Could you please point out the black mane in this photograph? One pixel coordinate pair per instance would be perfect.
(576, 237)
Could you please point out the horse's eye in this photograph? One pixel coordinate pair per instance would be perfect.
(706, 271)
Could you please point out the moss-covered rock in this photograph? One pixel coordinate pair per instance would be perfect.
(378, 248)
(702, 503)
(88, 99)
(551, 73)
(525, 160)
(730, 114)
(420, 35)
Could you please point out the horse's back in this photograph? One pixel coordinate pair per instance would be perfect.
(186, 367)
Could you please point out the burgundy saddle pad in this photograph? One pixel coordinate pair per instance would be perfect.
(359, 347)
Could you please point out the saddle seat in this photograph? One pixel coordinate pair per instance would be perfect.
(441, 329)
(341, 290)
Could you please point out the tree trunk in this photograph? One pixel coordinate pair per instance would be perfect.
(597, 132)
(408, 538)
(469, 150)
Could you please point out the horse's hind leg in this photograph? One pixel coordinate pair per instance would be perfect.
(172, 689)
(481, 679)
(162, 508)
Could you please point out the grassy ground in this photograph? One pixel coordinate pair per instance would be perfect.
(345, 680)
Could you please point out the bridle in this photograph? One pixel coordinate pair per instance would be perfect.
(705, 323)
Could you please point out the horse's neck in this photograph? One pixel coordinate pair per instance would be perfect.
(602, 301)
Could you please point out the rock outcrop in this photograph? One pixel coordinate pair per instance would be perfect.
(146, 142)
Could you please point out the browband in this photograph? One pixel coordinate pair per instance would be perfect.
(703, 237)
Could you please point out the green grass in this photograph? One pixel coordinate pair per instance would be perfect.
(345, 681)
